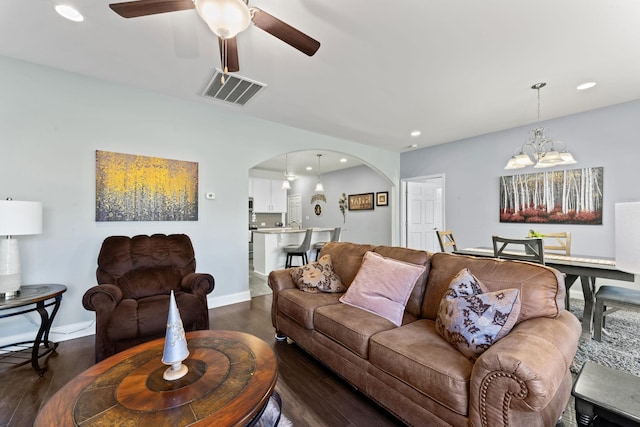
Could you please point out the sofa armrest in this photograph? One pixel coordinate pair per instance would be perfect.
(198, 283)
(520, 374)
(279, 280)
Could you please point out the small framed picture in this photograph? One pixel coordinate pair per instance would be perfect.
(361, 202)
(382, 198)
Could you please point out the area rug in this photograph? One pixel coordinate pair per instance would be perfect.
(620, 345)
(273, 416)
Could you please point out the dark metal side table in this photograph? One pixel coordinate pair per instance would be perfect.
(602, 393)
(32, 298)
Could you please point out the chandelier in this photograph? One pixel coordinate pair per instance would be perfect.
(287, 176)
(544, 151)
(319, 187)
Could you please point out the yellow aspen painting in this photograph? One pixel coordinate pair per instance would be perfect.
(140, 188)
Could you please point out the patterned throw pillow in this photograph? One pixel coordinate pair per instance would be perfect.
(471, 319)
(317, 276)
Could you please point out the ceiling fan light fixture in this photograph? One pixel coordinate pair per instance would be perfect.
(226, 18)
(69, 12)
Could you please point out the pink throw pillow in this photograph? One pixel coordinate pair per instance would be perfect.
(382, 286)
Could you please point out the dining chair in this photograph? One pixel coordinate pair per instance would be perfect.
(446, 239)
(299, 250)
(335, 236)
(560, 242)
(528, 249)
(610, 299)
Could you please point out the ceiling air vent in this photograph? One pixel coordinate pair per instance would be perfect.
(235, 89)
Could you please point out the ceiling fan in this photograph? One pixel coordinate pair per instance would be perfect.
(226, 18)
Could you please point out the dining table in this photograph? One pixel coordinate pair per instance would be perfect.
(587, 268)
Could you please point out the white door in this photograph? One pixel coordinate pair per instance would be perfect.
(424, 209)
(294, 208)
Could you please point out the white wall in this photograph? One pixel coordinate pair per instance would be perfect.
(51, 123)
(607, 137)
(370, 226)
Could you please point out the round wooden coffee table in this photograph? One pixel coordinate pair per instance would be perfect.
(231, 377)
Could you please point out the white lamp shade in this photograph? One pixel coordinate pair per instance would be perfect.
(628, 236)
(319, 187)
(226, 18)
(567, 158)
(285, 184)
(550, 157)
(513, 164)
(523, 159)
(19, 218)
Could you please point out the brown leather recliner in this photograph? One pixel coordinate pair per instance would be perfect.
(136, 276)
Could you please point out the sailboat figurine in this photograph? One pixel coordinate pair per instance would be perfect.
(175, 344)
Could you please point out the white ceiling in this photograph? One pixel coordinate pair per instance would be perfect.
(453, 69)
(297, 163)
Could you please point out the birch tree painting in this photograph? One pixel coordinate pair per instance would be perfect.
(559, 197)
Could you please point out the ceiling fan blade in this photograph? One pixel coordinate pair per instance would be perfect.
(285, 32)
(134, 9)
(232, 63)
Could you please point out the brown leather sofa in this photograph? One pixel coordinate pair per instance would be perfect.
(136, 276)
(521, 380)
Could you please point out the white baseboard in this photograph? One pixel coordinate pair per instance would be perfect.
(213, 301)
(83, 329)
(56, 334)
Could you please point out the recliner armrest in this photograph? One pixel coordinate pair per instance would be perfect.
(98, 297)
(522, 372)
(198, 283)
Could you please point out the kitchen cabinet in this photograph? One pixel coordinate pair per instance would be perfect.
(268, 195)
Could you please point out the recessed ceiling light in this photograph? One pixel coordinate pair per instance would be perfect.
(343, 160)
(587, 85)
(309, 168)
(412, 146)
(416, 133)
(69, 12)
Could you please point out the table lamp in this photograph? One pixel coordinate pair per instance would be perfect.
(628, 236)
(16, 218)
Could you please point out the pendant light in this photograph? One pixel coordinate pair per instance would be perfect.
(543, 150)
(319, 187)
(285, 181)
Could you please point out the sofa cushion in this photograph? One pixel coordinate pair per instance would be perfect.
(382, 286)
(541, 288)
(349, 326)
(317, 276)
(471, 319)
(300, 306)
(147, 317)
(149, 281)
(346, 258)
(417, 355)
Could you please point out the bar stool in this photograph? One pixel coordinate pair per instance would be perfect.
(335, 236)
(298, 250)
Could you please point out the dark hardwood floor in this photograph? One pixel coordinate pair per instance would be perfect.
(311, 395)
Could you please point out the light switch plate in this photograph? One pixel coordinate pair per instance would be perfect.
(210, 196)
